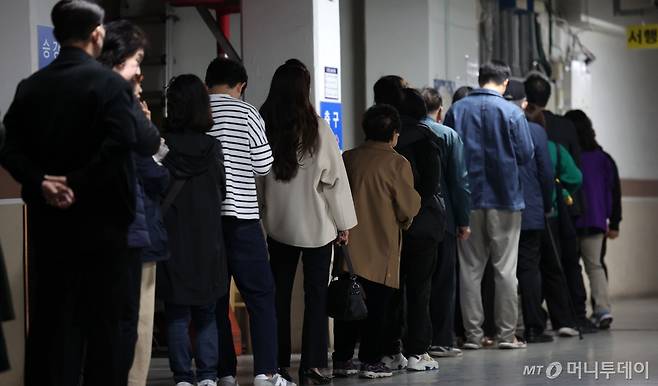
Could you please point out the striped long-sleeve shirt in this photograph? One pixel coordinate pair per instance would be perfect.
(247, 154)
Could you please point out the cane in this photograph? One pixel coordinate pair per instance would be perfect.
(564, 278)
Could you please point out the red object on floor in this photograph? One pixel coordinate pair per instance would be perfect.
(236, 332)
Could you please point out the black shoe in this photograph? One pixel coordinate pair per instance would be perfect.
(587, 327)
(535, 336)
(283, 372)
(312, 377)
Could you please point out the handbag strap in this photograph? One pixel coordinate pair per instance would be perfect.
(348, 260)
(171, 195)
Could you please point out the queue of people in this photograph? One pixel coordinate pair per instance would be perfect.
(226, 191)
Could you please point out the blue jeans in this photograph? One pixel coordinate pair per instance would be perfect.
(180, 348)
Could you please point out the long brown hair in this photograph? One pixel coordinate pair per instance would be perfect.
(291, 122)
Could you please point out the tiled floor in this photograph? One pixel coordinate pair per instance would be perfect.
(634, 338)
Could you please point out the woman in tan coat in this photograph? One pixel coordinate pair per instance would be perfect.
(386, 202)
(306, 206)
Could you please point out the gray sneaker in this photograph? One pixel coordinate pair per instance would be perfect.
(445, 352)
(227, 381)
(276, 380)
(345, 369)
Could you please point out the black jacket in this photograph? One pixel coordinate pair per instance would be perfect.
(424, 151)
(75, 118)
(196, 272)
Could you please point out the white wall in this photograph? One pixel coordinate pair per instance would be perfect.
(397, 41)
(193, 45)
(623, 104)
(15, 40)
(420, 40)
(272, 32)
(453, 39)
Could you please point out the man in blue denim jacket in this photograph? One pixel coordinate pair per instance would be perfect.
(496, 141)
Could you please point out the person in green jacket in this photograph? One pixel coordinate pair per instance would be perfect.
(567, 172)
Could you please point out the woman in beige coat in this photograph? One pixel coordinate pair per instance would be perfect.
(386, 202)
(307, 206)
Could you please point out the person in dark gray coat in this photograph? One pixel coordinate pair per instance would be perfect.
(195, 275)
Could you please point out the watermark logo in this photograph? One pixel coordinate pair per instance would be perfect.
(583, 370)
(553, 370)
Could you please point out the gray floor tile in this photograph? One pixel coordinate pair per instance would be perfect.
(634, 338)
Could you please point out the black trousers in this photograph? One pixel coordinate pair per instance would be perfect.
(573, 272)
(530, 283)
(411, 305)
(130, 317)
(444, 289)
(248, 264)
(554, 284)
(316, 264)
(76, 302)
(370, 331)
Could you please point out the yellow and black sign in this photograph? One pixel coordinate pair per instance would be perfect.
(642, 36)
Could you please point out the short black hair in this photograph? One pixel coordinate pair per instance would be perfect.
(432, 99)
(388, 90)
(461, 93)
(75, 20)
(537, 90)
(122, 40)
(225, 71)
(381, 122)
(188, 105)
(495, 71)
(413, 105)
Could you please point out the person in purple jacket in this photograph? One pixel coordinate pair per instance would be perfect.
(599, 181)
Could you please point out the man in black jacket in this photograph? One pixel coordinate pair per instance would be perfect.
(418, 259)
(70, 131)
(563, 132)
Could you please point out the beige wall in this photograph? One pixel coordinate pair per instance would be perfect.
(11, 238)
(631, 259)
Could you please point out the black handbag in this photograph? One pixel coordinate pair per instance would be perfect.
(346, 299)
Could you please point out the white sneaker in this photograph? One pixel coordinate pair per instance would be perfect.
(422, 362)
(207, 382)
(228, 380)
(512, 345)
(395, 362)
(184, 384)
(567, 332)
(276, 380)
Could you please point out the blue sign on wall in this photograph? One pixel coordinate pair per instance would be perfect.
(332, 113)
(47, 46)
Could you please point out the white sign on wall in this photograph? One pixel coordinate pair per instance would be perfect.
(326, 51)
